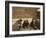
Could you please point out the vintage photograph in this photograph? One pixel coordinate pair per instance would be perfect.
(25, 18)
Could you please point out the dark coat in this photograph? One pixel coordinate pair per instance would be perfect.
(17, 25)
(35, 25)
(25, 24)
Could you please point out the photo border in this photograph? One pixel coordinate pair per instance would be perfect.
(7, 18)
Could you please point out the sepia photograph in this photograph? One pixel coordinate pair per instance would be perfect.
(24, 18)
